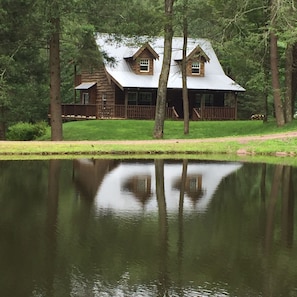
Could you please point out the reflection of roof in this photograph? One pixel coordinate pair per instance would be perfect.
(88, 175)
(111, 197)
(214, 79)
(85, 86)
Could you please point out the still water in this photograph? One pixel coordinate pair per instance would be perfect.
(89, 228)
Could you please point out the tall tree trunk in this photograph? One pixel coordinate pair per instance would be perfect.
(289, 76)
(278, 106)
(55, 81)
(163, 79)
(294, 75)
(184, 69)
(2, 123)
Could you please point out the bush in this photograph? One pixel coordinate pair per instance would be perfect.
(26, 131)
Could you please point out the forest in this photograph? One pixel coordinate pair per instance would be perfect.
(43, 42)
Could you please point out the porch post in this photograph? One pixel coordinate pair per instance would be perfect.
(97, 109)
(126, 104)
(202, 106)
(235, 105)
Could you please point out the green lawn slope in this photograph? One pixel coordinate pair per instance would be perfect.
(143, 130)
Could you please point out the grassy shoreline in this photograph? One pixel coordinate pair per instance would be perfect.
(115, 139)
(280, 148)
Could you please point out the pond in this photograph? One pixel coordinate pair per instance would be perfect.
(90, 227)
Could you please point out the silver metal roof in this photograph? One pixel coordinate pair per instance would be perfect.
(85, 86)
(214, 79)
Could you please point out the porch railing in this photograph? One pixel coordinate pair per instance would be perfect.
(138, 112)
(94, 111)
(214, 113)
(79, 110)
(135, 112)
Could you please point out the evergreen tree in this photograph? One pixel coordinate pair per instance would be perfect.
(23, 74)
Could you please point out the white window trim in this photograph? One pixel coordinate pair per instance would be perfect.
(144, 63)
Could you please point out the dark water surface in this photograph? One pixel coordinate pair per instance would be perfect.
(89, 228)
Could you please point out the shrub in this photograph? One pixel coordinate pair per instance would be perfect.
(26, 131)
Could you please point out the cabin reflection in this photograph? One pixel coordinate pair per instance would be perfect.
(193, 187)
(130, 185)
(140, 187)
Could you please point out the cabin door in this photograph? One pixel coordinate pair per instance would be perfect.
(85, 98)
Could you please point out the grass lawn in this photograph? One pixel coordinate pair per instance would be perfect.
(116, 130)
(143, 130)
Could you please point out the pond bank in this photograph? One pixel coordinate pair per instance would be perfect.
(280, 145)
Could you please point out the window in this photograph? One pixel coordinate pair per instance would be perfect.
(195, 183)
(196, 68)
(203, 99)
(142, 185)
(197, 100)
(144, 65)
(208, 99)
(145, 98)
(141, 98)
(132, 98)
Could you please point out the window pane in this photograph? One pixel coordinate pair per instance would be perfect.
(208, 99)
(145, 98)
(197, 102)
(132, 98)
(196, 67)
(144, 65)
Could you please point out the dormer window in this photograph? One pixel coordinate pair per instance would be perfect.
(196, 68)
(144, 65)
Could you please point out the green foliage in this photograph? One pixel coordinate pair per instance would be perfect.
(26, 131)
(23, 66)
(238, 31)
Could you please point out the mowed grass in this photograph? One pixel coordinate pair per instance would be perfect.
(75, 134)
(143, 130)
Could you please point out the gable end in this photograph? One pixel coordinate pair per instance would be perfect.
(143, 63)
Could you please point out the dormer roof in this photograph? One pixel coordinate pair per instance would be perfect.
(135, 54)
(196, 52)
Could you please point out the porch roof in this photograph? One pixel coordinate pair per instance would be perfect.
(120, 71)
(85, 86)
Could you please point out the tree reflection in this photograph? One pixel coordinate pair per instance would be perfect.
(180, 223)
(274, 193)
(263, 182)
(163, 283)
(288, 208)
(281, 187)
(51, 223)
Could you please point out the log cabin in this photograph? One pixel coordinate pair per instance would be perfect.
(127, 87)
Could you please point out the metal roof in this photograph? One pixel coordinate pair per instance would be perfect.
(214, 79)
(85, 86)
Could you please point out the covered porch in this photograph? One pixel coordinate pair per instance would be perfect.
(143, 112)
